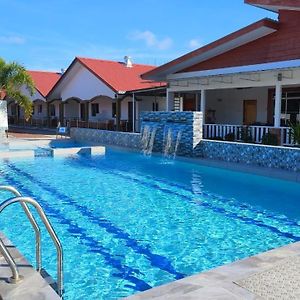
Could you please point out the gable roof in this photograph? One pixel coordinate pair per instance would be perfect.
(275, 5)
(234, 40)
(44, 81)
(119, 77)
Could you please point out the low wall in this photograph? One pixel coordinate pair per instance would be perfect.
(105, 137)
(282, 158)
(256, 155)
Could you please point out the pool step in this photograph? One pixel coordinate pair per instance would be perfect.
(52, 152)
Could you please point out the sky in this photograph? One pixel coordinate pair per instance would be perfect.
(48, 34)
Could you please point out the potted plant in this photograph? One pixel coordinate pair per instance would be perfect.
(270, 139)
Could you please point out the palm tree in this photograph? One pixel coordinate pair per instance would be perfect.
(13, 77)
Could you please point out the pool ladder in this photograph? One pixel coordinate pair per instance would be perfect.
(16, 277)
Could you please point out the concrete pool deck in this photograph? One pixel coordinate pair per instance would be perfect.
(32, 287)
(224, 282)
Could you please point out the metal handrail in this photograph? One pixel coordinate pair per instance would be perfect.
(50, 230)
(32, 222)
(16, 277)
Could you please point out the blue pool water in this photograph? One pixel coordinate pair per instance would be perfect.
(129, 222)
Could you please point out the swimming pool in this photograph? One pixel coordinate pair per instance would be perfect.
(129, 222)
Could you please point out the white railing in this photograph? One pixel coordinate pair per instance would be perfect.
(235, 132)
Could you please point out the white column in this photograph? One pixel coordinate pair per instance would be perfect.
(180, 102)
(277, 110)
(203, 104)
(169, 101)
(133, 112)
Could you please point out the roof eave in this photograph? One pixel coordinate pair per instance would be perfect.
(61, 78)
(275, 5)
(261, 28)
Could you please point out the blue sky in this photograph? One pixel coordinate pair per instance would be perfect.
(48, 34)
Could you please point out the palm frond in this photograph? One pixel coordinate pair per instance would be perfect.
(14, 77)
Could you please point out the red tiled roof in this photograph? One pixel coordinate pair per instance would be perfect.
(44, 81)
(119, 77)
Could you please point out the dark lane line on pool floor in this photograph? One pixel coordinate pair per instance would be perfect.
(207, 205)
(155, 260)
(94, 246)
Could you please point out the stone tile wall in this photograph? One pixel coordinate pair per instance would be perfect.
(105, 137)
(191, 143)
(284, 158)
(187, 124)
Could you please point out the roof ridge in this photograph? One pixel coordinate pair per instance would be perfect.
(113, 61)
(43, 71)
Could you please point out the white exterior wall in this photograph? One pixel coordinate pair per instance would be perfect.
(147, 103)
(3, 117)
(105, 110)
(36, 95)
(124, 108)
(38, 115)
(84, 85)
(56, 103)
(72, 110)
(229, 104)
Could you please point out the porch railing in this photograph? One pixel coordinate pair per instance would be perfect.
(34, 122)
(235, 132)
(125, 125)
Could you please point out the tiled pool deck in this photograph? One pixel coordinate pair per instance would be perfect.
(32, 287)
(220, 283)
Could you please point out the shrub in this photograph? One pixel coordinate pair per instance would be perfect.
(245, 135)
(270, 139)
(229, 137)
(295, 133)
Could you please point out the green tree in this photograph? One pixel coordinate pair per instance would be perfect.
(13, 77)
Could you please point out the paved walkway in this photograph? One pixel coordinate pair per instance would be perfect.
(239, 280)
(28, 133)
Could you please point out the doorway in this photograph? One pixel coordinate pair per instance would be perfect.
(189, 102)
(250, 112)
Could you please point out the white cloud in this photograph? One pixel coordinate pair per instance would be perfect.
(151, 40)
(12, 39)
(195, 43)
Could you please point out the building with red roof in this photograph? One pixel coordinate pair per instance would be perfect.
(106, 93)
(43, 82)
(249, 77)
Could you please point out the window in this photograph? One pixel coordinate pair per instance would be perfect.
(290, 108)
(114, 109)
(95, 109)
(40, 109)
(52, 110)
